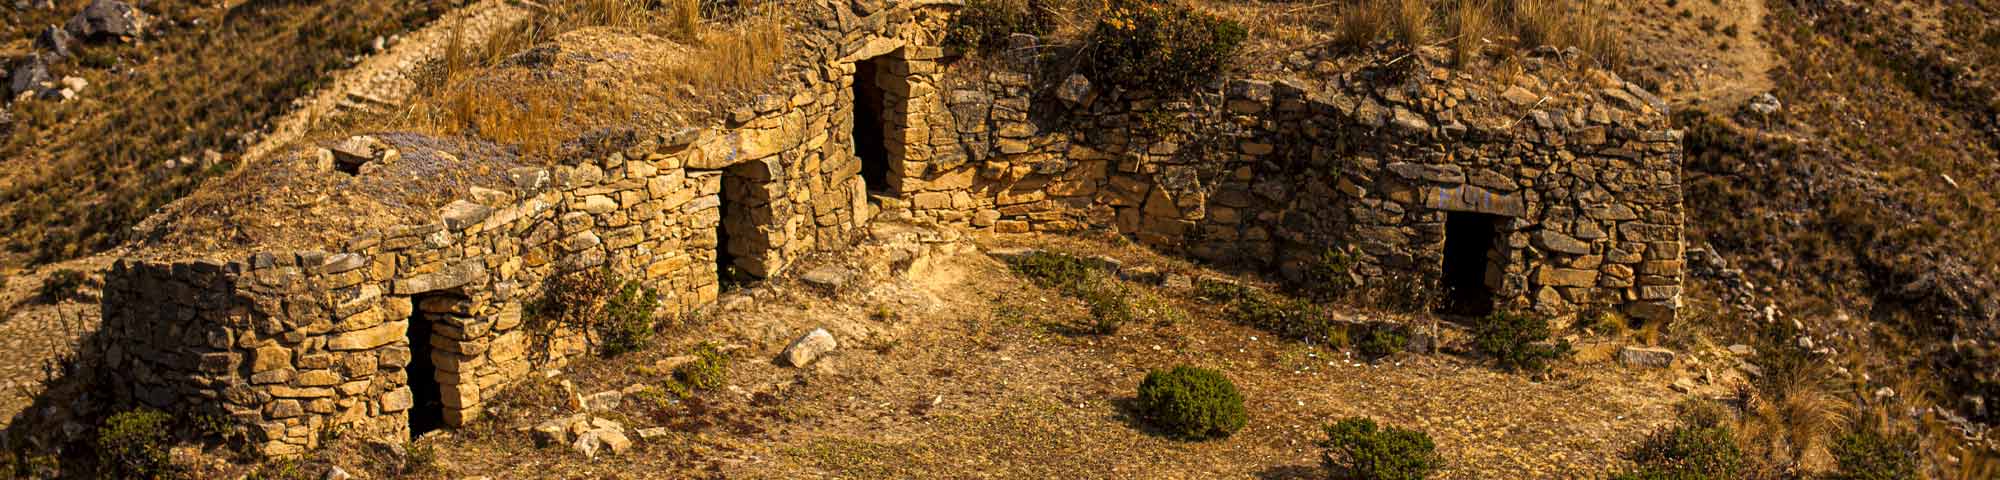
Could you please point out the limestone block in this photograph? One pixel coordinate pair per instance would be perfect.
(270, 358)
(397, 400)
(369, 338)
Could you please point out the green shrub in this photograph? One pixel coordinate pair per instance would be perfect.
(1110, 306)
(708, 371)
(1517, 342)
(616, 311)
(1701, 446)
(64, 285)
(1866, 453)
(1052, 270)
(1359, 449)
(1163, 47)
(133, 443)
(1192, 403)
(1217, 291)
(628, 318)
(1327, 276)
(984, 25)
(1381, 340)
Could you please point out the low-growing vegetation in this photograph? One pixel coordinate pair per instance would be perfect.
(1159, 46)
(1865, 452)
(1192, 403)
(1109, 300)
(1701, 446)
(63, 285)
(984, 25)
(617, 313)
(1517, 342)
(708, 371)
(133, 444)
(1357, 448)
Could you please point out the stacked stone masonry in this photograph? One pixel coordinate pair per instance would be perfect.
(1266, 174)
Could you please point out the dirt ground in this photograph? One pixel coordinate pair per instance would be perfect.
(958, 369)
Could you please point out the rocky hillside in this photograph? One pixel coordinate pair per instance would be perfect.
(149, 98)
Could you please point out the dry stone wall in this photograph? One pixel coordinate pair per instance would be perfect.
(1584, 202)
(1582, 209)
(291, 344)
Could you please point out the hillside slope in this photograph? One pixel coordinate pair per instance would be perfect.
(198, 85)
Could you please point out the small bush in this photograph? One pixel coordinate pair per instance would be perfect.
(1517, 342)
(1110, 306)
(1217, 291)
(1328, 277)
(617, 311)
(628, 318)
(1381, 340)
(708, 371)
(63, 285)
(1700, 447)
(984, 25)
(1192, 403)
(133, 443)
(1866, 453)
(1163, 47)
(1360, 449)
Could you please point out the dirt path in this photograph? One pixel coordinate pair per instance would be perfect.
(959, 370)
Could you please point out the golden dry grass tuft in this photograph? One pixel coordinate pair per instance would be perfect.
(514, 91)
(1472, 24)
(1411, 21)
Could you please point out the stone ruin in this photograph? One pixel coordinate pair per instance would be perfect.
(1498, 198)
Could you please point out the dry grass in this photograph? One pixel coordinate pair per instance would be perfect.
(510, 91)
(166, 98)
(1411, 21)
(1472, 24)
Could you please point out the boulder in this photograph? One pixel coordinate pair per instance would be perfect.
(807, 348)
(1074, 91)
(106, 20)
(604, 401)
(1646, 357)
(29, 76)
(828, 278)
(54, 42)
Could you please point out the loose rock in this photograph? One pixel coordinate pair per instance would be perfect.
(807, 348)
(1648, 357)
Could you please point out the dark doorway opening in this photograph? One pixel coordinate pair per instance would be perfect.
(727, 276)
(871, 143)
(427, 398)
(1469, 240)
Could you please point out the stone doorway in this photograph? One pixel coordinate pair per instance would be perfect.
(1470, 241)
(872, 122)
(426, 393)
